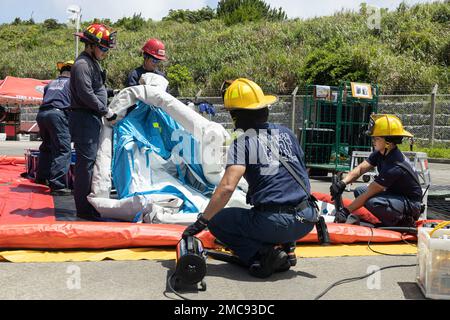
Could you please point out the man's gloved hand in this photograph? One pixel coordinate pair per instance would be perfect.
(341, 215)
(112, 92)
(337, 189)
(195, 228)
(111, 117)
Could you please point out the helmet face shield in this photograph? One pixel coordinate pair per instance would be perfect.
(371, 127)
(112, 40)
(224, 87)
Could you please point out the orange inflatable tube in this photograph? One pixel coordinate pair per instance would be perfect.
(363, 213)
(27, 221)
(8, 160)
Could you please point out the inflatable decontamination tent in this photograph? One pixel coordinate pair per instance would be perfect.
(164, 158)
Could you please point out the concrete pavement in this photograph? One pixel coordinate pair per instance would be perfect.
(147, 280)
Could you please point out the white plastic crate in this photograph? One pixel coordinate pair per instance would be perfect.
(433, 272)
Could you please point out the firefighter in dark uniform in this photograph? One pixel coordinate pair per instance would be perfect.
(55, 150)
(154, 52)
(281, 212)
(395, 197)
(88, 106)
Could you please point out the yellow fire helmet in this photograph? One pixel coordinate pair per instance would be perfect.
(61, 65)
(387, 125)
(245, 94)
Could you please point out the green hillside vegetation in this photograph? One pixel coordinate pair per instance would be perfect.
(205, 47)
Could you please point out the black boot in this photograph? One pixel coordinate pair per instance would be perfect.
(270, 260)
(289, 248)
(61, 192)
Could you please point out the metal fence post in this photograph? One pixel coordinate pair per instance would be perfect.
(198, 95)
(433, 114)
(294, 97)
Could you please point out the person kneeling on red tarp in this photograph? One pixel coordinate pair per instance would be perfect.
(282, 212)
(395, 197)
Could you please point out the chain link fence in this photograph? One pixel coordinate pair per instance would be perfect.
(427, 116)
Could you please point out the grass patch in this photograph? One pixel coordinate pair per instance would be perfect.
(439, 151)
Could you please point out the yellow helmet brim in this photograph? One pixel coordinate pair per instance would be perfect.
(407, 134)
(61, 64)
(266, 101)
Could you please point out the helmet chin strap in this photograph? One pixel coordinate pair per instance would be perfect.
(91, 51)
(387, 149)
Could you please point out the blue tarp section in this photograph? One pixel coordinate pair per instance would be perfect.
(151, 128)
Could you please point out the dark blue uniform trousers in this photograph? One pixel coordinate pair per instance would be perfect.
(55, 151)
(246, 231)
(391, 209)
(85, 130)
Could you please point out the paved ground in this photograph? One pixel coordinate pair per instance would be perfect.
(146, 280)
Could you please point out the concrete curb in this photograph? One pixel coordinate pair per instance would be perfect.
(443, 161)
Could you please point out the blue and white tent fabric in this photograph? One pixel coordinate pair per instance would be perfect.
(164, 158)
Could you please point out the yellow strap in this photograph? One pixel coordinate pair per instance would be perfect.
(439, 226)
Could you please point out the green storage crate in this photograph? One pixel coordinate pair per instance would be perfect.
(335, 123)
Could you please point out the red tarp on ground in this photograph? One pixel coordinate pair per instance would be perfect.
(27, 221)
(22, 90)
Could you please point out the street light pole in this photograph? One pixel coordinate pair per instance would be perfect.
(76, 16)
(77, 38)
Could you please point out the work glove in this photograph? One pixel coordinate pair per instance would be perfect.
(337, 189)
(207, 108)
(341, 215)
(111, 117)
(112, 92)
(195, 228)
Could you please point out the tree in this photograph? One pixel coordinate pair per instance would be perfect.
(240, 11)
(204, 14)
(51, 24)
(17, 21)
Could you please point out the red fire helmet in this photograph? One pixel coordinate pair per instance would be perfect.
(155, 48)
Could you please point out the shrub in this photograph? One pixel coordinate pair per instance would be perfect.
(180, 79)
